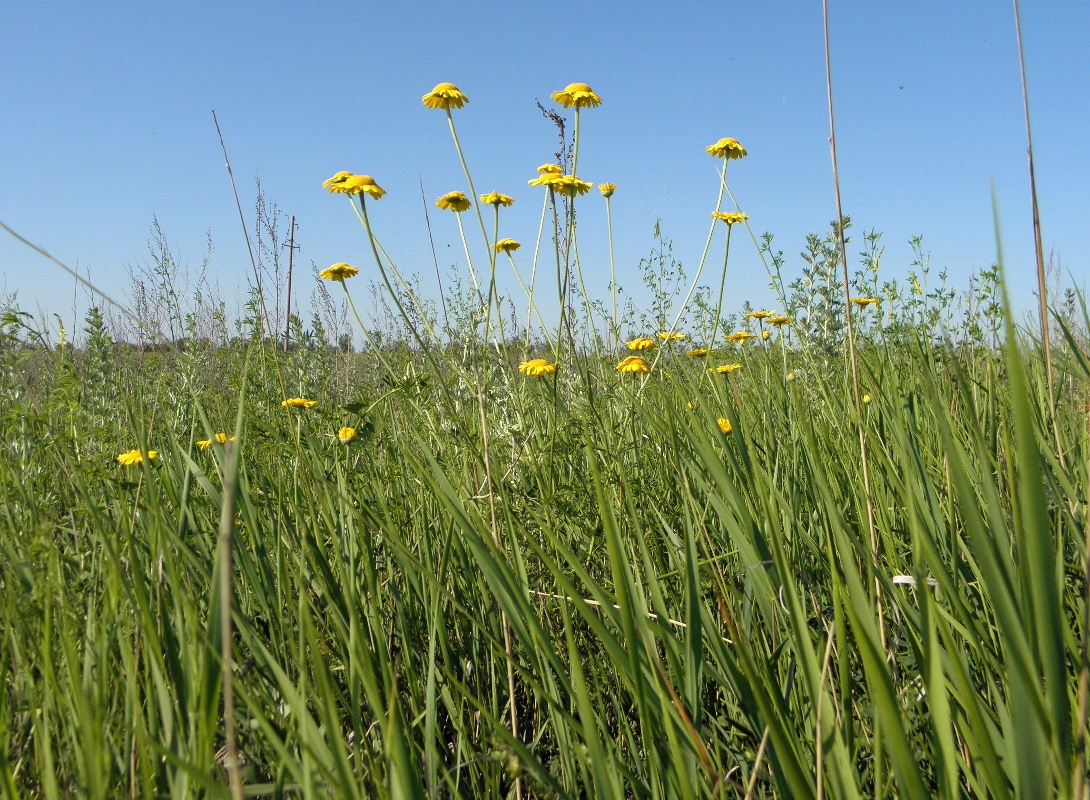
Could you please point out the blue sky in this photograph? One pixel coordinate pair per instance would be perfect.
(108, 123)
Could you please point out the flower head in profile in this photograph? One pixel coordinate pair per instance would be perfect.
(741, 336)
(577, 94)
(507, 246)
(697, 352)
(338, 272)
(607, 189)
(570, 185)
(133, 457)
(347, 183)
(766, 334)
(299, 402)
(454, 201)
(761, 315)
(634, 365)
(670, 336)
(863, 302)
(347, 435)
(222, 438)
(641, 343)
(724, 425)
(445, 96)
(537, 368)
(496, 199)
(726, 148)
(726, 369)
(545, 179)
(730, 217)
(779, 322)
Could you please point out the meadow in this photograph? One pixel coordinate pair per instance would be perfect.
(838, 548)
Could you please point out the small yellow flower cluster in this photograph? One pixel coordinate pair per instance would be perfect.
(347, 183)
(338, 272)
(496, 199)
(730, 217)
(445, 96)
(454, 201)
(299, 402)
(634, 365)
(132, 458)
(537, 368)
(577, 94)
(741, 336)
(727, 148)
(642, 343)
(222, 438)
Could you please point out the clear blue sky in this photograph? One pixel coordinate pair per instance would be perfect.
(107, 122)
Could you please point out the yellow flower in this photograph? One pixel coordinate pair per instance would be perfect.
(299, 402)
(496, 199)
(741, 336)
(222, 438)
(698, 352)
(134, 457)
(338, 272)
(726, 369)
(727, 148)
(347, 183)
(730, 217)
(634, 365)
(779, 321)
(867, 398)
(863, 302)
(642, 343)
(724, 425)
(672, 337)
(607, 189)
(554, 169)
(790, 376)
(545, 179)
(346, 435)
(577, 94)
(507, 246)
(766, 334)
(570, 185)
(444, 95)
(760, 314)
(454, 201)
(537, 368)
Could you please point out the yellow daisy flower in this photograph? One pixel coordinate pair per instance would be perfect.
(863, 302)
(545, 179)
(445, 96)
(134, 457)
(730, 217)
(766, 334)
(347, 183)
(607, 189)
(741, 336)
(454, 201)
(346, 435)
(726, 148)
(760, 314)
(338, 272)
(570, 185)
(537, 368)
(507, 246)
(555, 169)
(497, 199)
(666, 336)
(641, 343)
(299, 402)
(726, 369)
(577, 94)
(222, 438)
(634, 365)
(724, 425)
(779, 321)
(698, 352)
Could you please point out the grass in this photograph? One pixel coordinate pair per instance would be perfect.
(572, 585)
